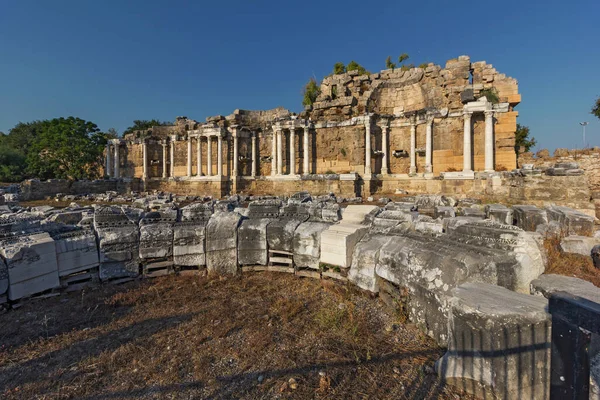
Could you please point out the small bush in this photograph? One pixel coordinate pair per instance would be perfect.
(343, 152)
(491, 94)
(339, 68)
(311, 92)
(423, 65)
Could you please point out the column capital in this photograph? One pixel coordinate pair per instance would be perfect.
(467, 114)
(430, 120)
(489, 113)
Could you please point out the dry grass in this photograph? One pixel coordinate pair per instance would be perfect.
(195, 337)
(568, 264)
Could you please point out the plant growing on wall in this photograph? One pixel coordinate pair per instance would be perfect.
(389, 64)
(491, 94)
(339, 68)
(311, 92)
(354, 66)
(144, 124)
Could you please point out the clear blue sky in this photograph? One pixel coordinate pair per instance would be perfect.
(115, 61)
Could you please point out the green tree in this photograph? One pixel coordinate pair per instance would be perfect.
(144, 124)
(66, 148)
(354, 66)
(12, 164)
(22, 136)
(111, 133)
(522, 138)
(311, 92)
(389, 64)
(339, 68)
(596, 108)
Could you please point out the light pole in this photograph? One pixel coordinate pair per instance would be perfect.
(584, 124)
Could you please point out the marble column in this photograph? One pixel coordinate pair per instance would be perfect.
(235, 155)
(305, 150)
(164, 163)
(209, 156)
(274, 153)
(116, 171)
(384, 145)
(253, 154)
(429, 146)
(489, 141)
(173, 157)
(189, 157)
(108, 161)
(199, 156)
(144, 160)
(467, 167)
(368, 171)
(220, 155)
(279, 152)
(292, 151)
(413, 147)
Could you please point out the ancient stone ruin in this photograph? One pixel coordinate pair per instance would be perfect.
(469, 275)
(367, 133)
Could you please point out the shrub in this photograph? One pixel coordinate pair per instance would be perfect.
(311, 92)
(354, 66)
(339, 68)
(491, 94)
(389, 64)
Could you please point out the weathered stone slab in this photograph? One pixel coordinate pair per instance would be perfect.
(31, 262)
(118, 244)
(572, 222)
(520, 245)
(299, 198)
(339, 240)
(189, 235)
(579, 245)
(428, 225)
(499, 213)
(444, 212)
(156, 235)
(76, 250)
(252, 234)
(3, 280)
(280, 233)
(307, 244)
(548, 284)
(221, 243)
(499, 343)
(529, 217)
(364, 262)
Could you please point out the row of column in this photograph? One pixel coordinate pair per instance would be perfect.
(209, 169)
(277, 152)
(467, 145)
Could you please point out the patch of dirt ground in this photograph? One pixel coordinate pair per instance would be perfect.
(260, 336)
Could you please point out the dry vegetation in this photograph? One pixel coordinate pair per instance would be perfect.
(568, 264)
(262, 336)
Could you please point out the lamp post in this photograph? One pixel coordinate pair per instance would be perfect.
(584, 124)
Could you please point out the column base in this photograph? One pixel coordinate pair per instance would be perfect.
(428, 175)
(412, 170)
(428, 169)
(384, 171)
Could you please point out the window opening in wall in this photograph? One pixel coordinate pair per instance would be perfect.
(470, 77)
(333, 92)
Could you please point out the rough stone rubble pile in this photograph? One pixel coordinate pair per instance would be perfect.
(469, 275)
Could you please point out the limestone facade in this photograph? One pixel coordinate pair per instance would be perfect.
(422, 123)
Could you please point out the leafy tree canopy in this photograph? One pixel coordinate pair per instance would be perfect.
(402, 57)
(143, 124)
(522, 138)
(12, 164)
(339, 68)
(66, 148)
(596, 108)
(310, 92)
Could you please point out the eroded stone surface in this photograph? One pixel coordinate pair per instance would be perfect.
(498, 344)
(221, 243)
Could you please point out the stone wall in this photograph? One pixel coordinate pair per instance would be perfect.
(588, 160)
(401, 92)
